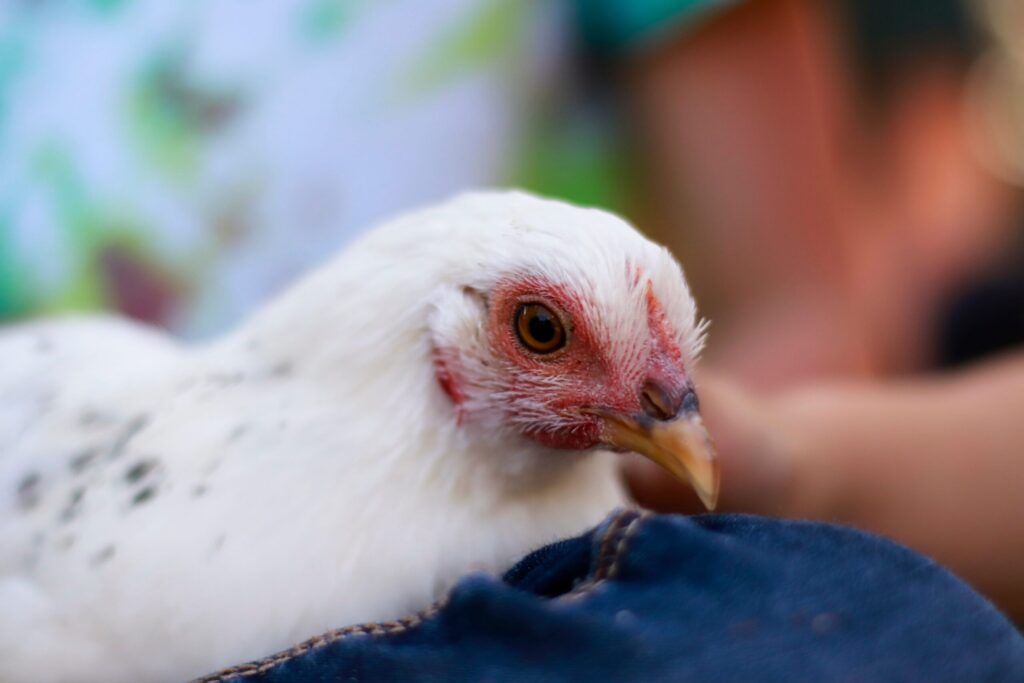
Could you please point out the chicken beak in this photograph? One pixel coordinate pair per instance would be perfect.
(681, 445)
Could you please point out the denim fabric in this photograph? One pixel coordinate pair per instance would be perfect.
(668, 598)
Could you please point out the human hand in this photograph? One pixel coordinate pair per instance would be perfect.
(932, 462)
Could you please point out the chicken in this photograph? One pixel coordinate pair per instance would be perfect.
(443, 397)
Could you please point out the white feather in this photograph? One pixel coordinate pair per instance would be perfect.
(166, 511)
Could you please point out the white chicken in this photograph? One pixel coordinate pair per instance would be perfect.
(442, 397)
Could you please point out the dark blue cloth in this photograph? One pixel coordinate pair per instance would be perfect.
(668, 598)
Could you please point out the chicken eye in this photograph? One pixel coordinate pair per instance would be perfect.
(538, 329)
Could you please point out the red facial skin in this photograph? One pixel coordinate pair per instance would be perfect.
(587, 376)
(449, 384)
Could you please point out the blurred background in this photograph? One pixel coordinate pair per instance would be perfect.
(838, 177)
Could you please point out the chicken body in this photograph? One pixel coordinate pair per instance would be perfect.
(169, 510)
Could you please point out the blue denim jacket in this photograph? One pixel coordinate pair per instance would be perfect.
(667, 598)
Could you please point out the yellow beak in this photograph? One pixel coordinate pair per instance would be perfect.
(680, 445)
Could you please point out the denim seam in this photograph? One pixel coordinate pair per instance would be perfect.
(614, 544)
(373, 629)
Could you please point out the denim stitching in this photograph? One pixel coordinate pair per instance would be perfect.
(614, 543)
(374, 629)
(620, 550)
(609, 544)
